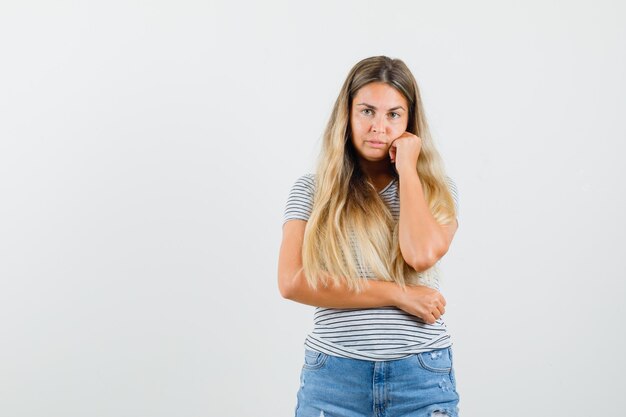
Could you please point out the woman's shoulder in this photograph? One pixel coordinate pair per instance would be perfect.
(303, 186)
(306, 181)
(451, 184)
(300, 200)
(454, 191)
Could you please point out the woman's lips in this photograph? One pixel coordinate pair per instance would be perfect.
(376, 144)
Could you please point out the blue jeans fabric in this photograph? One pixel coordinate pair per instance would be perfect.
(420, 385)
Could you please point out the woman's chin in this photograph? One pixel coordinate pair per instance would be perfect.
(383, 157)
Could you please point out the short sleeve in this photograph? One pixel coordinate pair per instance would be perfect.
(455, 194)
(300, 199)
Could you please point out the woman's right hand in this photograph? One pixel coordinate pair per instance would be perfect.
(422, 301)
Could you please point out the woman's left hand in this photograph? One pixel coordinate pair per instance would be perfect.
(404, 151)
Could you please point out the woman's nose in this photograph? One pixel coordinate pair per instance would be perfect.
(378, 125)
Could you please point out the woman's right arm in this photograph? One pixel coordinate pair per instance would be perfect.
(421, 301)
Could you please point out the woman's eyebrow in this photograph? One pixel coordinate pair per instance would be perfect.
(373, 107)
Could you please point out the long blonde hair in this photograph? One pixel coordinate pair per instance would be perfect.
(351, 229)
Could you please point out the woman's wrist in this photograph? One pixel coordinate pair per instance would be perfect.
(391, 292)
(407, 172)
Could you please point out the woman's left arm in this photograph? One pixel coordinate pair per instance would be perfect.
(423, 241)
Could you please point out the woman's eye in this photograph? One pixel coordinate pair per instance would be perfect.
(365, 110)
(396, 115)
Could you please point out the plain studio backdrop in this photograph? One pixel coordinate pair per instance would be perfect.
(146, 154)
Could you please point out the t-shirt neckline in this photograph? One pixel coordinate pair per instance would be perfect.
(387, 186)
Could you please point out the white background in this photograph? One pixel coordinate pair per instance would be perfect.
(147, 150)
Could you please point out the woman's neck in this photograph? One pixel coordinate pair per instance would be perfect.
(380, 173)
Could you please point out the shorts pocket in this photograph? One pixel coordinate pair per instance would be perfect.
(438, 360)
(314, 359)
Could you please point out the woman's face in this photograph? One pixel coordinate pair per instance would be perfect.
(379, 114)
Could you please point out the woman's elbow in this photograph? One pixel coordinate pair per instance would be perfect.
(419, 265)
(423, 261)
(285, 288)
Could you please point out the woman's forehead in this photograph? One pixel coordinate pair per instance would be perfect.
(379, 95)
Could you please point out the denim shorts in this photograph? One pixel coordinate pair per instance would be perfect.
(420, 385)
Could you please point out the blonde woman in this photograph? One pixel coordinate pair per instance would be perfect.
(362, 240)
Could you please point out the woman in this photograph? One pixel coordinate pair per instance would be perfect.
(362, 239)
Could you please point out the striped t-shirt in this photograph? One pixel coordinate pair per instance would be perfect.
(376, 334)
